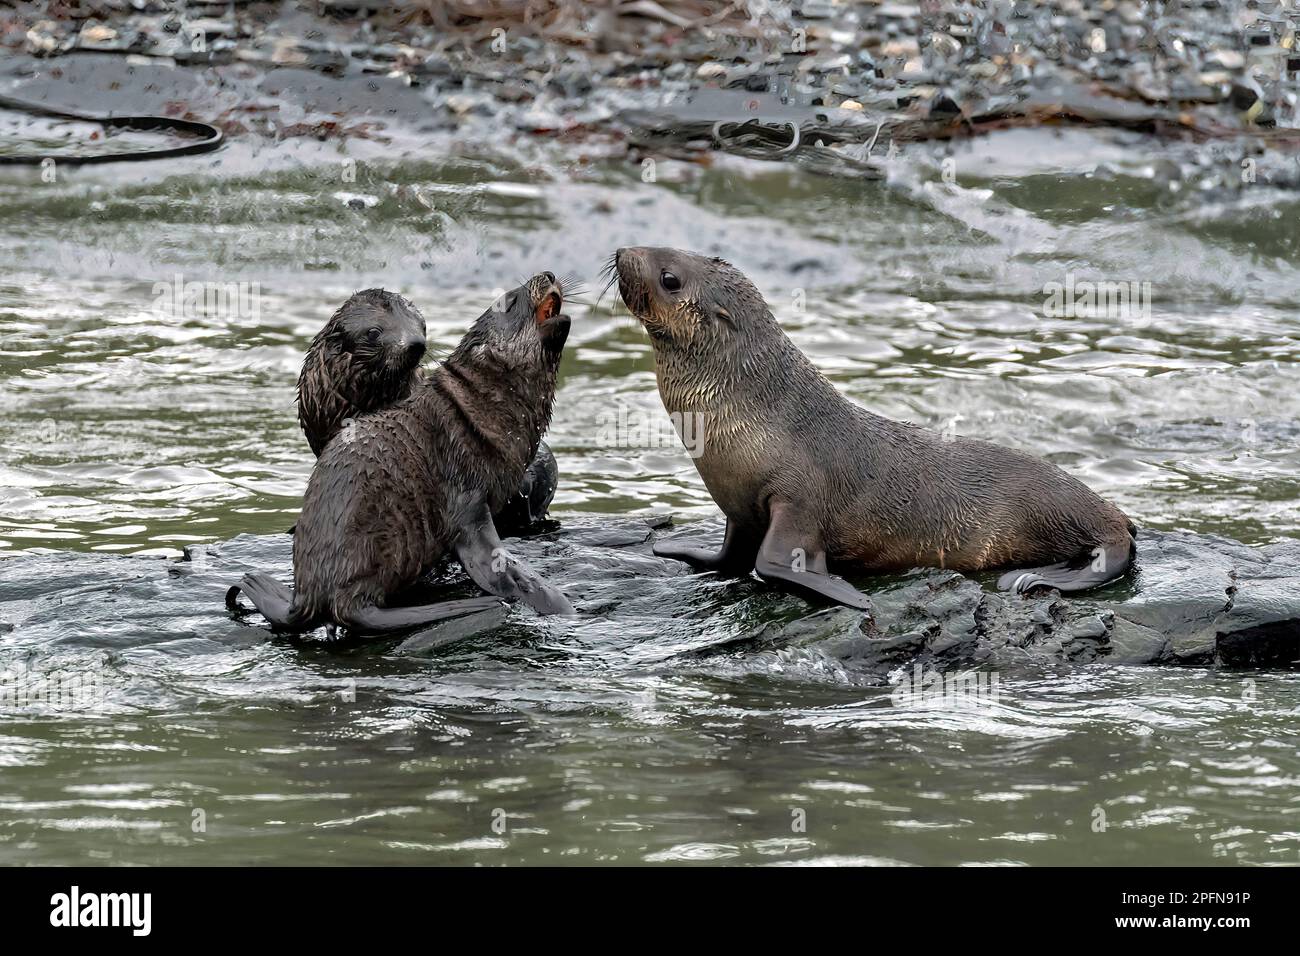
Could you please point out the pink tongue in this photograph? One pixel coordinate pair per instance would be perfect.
(547, 308)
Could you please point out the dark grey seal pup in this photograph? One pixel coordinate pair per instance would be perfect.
(366, 358)
(399, 490)
(807, 479)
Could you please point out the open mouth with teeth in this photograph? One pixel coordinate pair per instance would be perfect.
(549, 306)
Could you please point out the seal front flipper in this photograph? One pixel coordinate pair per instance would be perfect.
(794, 558)
(498, 572)
(736, 558)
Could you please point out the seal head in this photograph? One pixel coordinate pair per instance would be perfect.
(523, 325)
(681, 297)
(365, 358)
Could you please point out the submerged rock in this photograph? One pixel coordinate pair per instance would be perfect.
(1194, 600)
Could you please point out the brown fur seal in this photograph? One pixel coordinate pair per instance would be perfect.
(806, 478)
(366, 358)
(401, 489)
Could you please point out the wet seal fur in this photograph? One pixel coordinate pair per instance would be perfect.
(401, 489)
(367, 358)
(809, 480)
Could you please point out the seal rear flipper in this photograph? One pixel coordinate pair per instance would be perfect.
(372, 619)
(1088, 571)
(498, 572)
(794, 559)
(272, 599)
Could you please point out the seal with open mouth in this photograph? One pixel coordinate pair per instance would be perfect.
(397, 491)
(808, 480)
(366, 358)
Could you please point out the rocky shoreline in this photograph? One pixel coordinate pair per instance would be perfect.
(849, 82)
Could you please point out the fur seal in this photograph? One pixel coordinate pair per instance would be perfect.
(366, 358)
(807, 479)
(403, 488)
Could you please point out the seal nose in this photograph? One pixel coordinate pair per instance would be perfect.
(415, 349)
(629, 257)
(549, 277)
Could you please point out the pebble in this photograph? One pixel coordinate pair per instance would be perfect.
(1228, 59)
(540, 121)
(944, 45)
(357, 201)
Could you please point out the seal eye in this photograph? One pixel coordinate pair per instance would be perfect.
(372, 334)
(670, 281)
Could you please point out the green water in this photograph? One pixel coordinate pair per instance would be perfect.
(131, 428)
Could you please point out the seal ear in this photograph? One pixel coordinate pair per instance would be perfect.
(716, 304)
(336, 340)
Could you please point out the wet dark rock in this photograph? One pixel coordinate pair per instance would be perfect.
(1092, 628)
(1260, 629)
(571, 83)
(1243, 95)
(659, 521)
(944, 105)
(1132, 643)
(886, 653)
(1194, 648)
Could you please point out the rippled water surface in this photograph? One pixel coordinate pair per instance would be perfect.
(132, 429)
